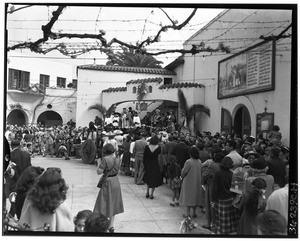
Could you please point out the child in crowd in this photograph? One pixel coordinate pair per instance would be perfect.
(174, 172)
(96, 224)
(80, 218)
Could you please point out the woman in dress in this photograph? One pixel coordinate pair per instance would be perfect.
(89, 146)
(226, 214)
(153, 175)
(191, 190)
(109, 201)
(44, 207)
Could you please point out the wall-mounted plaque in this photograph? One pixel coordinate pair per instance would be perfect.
(247, 72)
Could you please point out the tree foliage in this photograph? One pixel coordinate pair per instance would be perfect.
(129, 58)
(189, 111)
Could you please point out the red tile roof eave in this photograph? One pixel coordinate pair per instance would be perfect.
(126, 69)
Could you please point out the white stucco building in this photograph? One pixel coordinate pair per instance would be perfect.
(93, 79)
(240, 108)
(37, 91)
(245, 89)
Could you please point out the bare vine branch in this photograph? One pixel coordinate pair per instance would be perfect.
(104, 46)
(279, 36)
(12, 9)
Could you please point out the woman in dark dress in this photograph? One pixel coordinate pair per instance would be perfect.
(125, 166)
(88, 146)
(153, 175)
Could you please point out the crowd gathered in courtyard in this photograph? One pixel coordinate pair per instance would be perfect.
(239, 182)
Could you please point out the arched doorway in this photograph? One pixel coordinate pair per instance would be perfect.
(226, 121)
(16, 117)
(50, 118)
(242, 122)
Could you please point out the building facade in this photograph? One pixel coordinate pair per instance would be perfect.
(105, 85)
(247, 90)
(39, 91)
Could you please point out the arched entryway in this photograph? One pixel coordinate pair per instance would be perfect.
(50, 118)
(242, 121)
(226, 121)
(16, 117)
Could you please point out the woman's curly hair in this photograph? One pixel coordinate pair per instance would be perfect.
(27, 178)
(49, 191)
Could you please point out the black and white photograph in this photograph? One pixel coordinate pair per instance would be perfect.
(150, 119)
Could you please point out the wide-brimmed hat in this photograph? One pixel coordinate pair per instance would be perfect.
(108, 134)
(118, 132)
(247, 154)
(226, 162)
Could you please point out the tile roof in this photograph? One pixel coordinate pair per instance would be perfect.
(115, 68)
(181, 85)
(148, 80)
(117, 89)
(177, 62)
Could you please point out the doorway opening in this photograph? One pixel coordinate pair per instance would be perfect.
(242, 122)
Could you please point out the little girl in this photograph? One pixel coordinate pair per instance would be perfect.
(174, 172)
(79, 220)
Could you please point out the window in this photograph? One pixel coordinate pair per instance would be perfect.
(150, 89)
(167, 81)
(18, 79)
(134, 90)
(61, 82)
(44, 80)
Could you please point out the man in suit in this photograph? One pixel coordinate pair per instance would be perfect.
(138, 151)
(181, 151)
(22, 160)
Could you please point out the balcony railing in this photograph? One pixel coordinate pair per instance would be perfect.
(32, 89)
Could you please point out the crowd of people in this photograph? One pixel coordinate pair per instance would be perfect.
(240, 183)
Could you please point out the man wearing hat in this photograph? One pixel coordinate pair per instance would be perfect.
(22, 160)
(251, 156)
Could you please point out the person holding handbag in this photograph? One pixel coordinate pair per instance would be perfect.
(109, 201)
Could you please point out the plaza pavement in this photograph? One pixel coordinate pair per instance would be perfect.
(141, 216)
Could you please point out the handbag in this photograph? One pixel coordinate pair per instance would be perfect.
(103, 178)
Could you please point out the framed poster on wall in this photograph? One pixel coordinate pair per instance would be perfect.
(250, 71)
(264, 123)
